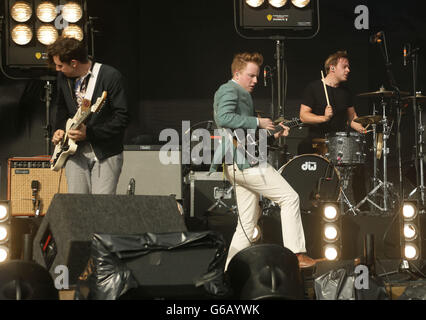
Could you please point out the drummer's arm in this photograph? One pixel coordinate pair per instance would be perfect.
(307, 116)
(355, 125)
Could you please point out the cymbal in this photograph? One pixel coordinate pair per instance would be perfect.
(368, 120)
(419, 97)
(382, 93)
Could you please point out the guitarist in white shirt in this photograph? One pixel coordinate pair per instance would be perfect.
(96, 165)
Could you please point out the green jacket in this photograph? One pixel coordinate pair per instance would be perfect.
(233, 109)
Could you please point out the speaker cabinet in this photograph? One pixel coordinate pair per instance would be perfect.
(152, 177)
(66, 231)
(26, 173)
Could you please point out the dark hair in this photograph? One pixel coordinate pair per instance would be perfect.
(67, 49)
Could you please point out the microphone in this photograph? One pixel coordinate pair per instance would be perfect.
(377, 37)
(131, 187)
(35, 185)
(405, 54)
(265, 74)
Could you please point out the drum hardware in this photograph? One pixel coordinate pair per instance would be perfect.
(380, 150)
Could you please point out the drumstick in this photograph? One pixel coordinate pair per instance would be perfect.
(325, 88)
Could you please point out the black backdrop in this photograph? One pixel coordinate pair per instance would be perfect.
(175, 54)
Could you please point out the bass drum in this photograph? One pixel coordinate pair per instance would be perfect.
(314, 178)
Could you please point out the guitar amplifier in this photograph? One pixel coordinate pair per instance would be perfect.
(31, 185)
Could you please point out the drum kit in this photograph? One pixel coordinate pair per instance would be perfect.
(325, 176)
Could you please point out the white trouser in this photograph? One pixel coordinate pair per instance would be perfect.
(87, 175)
(266, 181)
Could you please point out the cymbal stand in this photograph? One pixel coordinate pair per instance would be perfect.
(385, 185)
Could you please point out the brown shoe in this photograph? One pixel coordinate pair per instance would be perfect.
(305, 261)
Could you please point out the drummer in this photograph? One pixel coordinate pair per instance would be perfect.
(327, 104)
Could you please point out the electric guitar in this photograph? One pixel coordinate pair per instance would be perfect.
(67, 147)
(249, 141)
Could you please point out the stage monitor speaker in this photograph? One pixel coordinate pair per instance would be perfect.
(65, 233)
(152, 177)
(32, 185)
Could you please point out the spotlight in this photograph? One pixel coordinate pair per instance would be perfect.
(72, 12)
(46, 11)
(411, 251)
(410, 231)
(21, 11)
(4, 234)
(331, 252)
(277, 3)
(4, 253)
(255, 3)
(47, 34)
(409, 211)
(4, 211)
(300, 3)
(32, 25)
(330, 212)
(331, 230)
(73, 31)
(331, 233)
(22, 34)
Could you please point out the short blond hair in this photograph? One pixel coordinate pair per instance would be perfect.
(333, 60)
(242, 59)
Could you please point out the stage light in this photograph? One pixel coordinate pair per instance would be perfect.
(300, 3)
(46, 12)
(410, 231)
(72, 12)
(331, 252)
(330, 212)
(73, 31)
(22, 34)
(4, 234)
(26, 42)
(277, 3)
(47, 34)
(255, 3)
(410, 228)
(21, 11)
(331, 233)
(411, 252)
(409, 211)
(4, 211)
(331, 230)
(4, 253)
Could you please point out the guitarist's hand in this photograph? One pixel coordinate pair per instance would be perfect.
(265, 123)
(79, 134)
(58, 136)
(283, 133)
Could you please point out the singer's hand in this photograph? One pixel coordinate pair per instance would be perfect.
(58, 136)
(79, 134)
(265, 123)
(328, 113)
(283, 133)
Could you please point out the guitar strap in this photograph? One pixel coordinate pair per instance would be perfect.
(92, 81)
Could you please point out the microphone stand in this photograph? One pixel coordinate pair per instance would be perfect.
(418, 130)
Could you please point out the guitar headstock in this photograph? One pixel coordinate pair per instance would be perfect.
(99, 103)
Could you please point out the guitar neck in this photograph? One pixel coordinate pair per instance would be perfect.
(290, 124)
(81, 119)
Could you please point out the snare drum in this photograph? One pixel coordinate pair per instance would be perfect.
(314, 178)
(346, 148)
